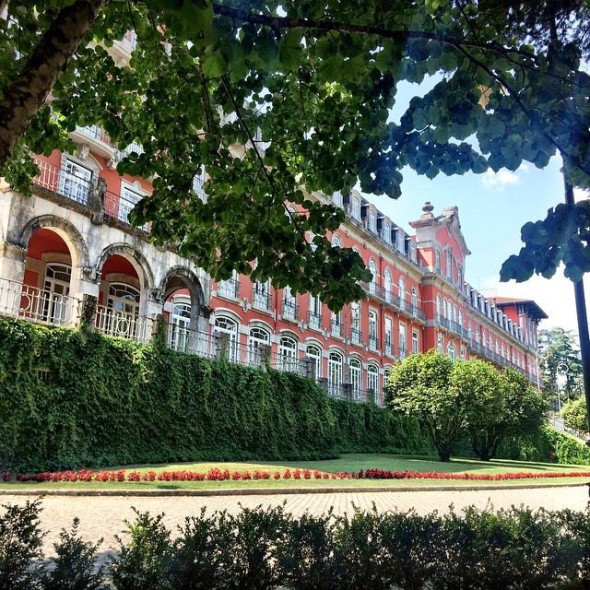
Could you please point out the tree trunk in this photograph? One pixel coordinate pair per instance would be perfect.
(49, 59)
(444, 454)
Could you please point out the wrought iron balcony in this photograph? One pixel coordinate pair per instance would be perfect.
(356, 336)
(314, 320)
(261, 299)
(228, 289)
(289, 309)
(336, 328)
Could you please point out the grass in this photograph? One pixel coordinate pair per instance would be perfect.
(349, 463)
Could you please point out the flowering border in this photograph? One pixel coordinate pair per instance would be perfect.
(216, 474)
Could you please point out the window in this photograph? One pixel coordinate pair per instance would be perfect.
(449, 273)
(460, 279)
(463, 352)
(387, 232)
(335, 364)
(460, 318)
(261, 295)
(451, 350)
(75, 181)
(386, 374)
(387, 284)
(315, 353)
(56, 288)
(337, 199)
(315, 312)
(336, 323)
(439, 342)
(402, 341)
(288, 354)
(388, 336)
(372, 221)
(415, 342)
(437, 261)
(414, 299)
(401, 287)
(289, 304)
(438, 307)
(356, 208)
(336, 243)
(373, 283)
(229, 288)
(400, 241)
(129, 198)
(373, 334)
(355, 370)
(224, 325)
(179, 329)
(355, 322)
(373, 378)
(258, 341)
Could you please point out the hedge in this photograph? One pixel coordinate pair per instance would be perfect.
(268, 549)
(73, 398)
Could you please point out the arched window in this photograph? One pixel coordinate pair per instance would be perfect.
(414, 298)
(355, 370)
(373, 269)
(258, 339)
(179, 326)
(439, 342)
(387, 284)
(288, 354)
(373, 378)
(121, 315)
(335, 365)
(315, 353)
(225, 325)
(438, 307)
(336, 243)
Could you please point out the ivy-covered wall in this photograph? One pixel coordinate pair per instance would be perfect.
(70, 398)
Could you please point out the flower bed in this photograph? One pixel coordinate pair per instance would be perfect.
(216, 474)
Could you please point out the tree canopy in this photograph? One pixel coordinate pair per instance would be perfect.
(279, 100)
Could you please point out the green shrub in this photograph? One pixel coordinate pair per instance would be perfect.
(73, 399)
(268, 549)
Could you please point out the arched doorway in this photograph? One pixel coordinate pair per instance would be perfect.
(119, 300)
(44, 294)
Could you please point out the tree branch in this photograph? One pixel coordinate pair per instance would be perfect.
(49, 59)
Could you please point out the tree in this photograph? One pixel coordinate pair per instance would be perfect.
(574, 415)
(282, 99)
(558, 351)
(482, 390)
(419, 387)
(518, 411)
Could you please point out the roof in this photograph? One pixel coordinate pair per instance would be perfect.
(532, 309)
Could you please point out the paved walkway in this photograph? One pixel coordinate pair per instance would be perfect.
(102, 517)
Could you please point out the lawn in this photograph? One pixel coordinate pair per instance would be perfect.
(347, 463)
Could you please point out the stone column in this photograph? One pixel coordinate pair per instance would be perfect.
(88, 309)
(12, 261)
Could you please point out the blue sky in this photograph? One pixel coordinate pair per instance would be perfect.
(492, 209)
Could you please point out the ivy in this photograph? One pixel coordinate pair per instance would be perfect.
(72, 399)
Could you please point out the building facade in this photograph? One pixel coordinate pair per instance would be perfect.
(69, 247)
(68, 252)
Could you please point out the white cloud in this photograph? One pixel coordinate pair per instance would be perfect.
(499, 179)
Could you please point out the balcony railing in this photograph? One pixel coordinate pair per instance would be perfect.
(122, 324)
(356, 336)
(261, 300)
(228, 289)
(289, 309)
(314, 320)
(379, 292)
(38, 305)
(336, 328)
(373, 342)
(63, 182)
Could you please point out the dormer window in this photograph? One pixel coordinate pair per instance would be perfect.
(337, 199)
(449, 273)
(387, 231)
(356, 208)
(437, 261)
(372, 221)
(400, 241)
